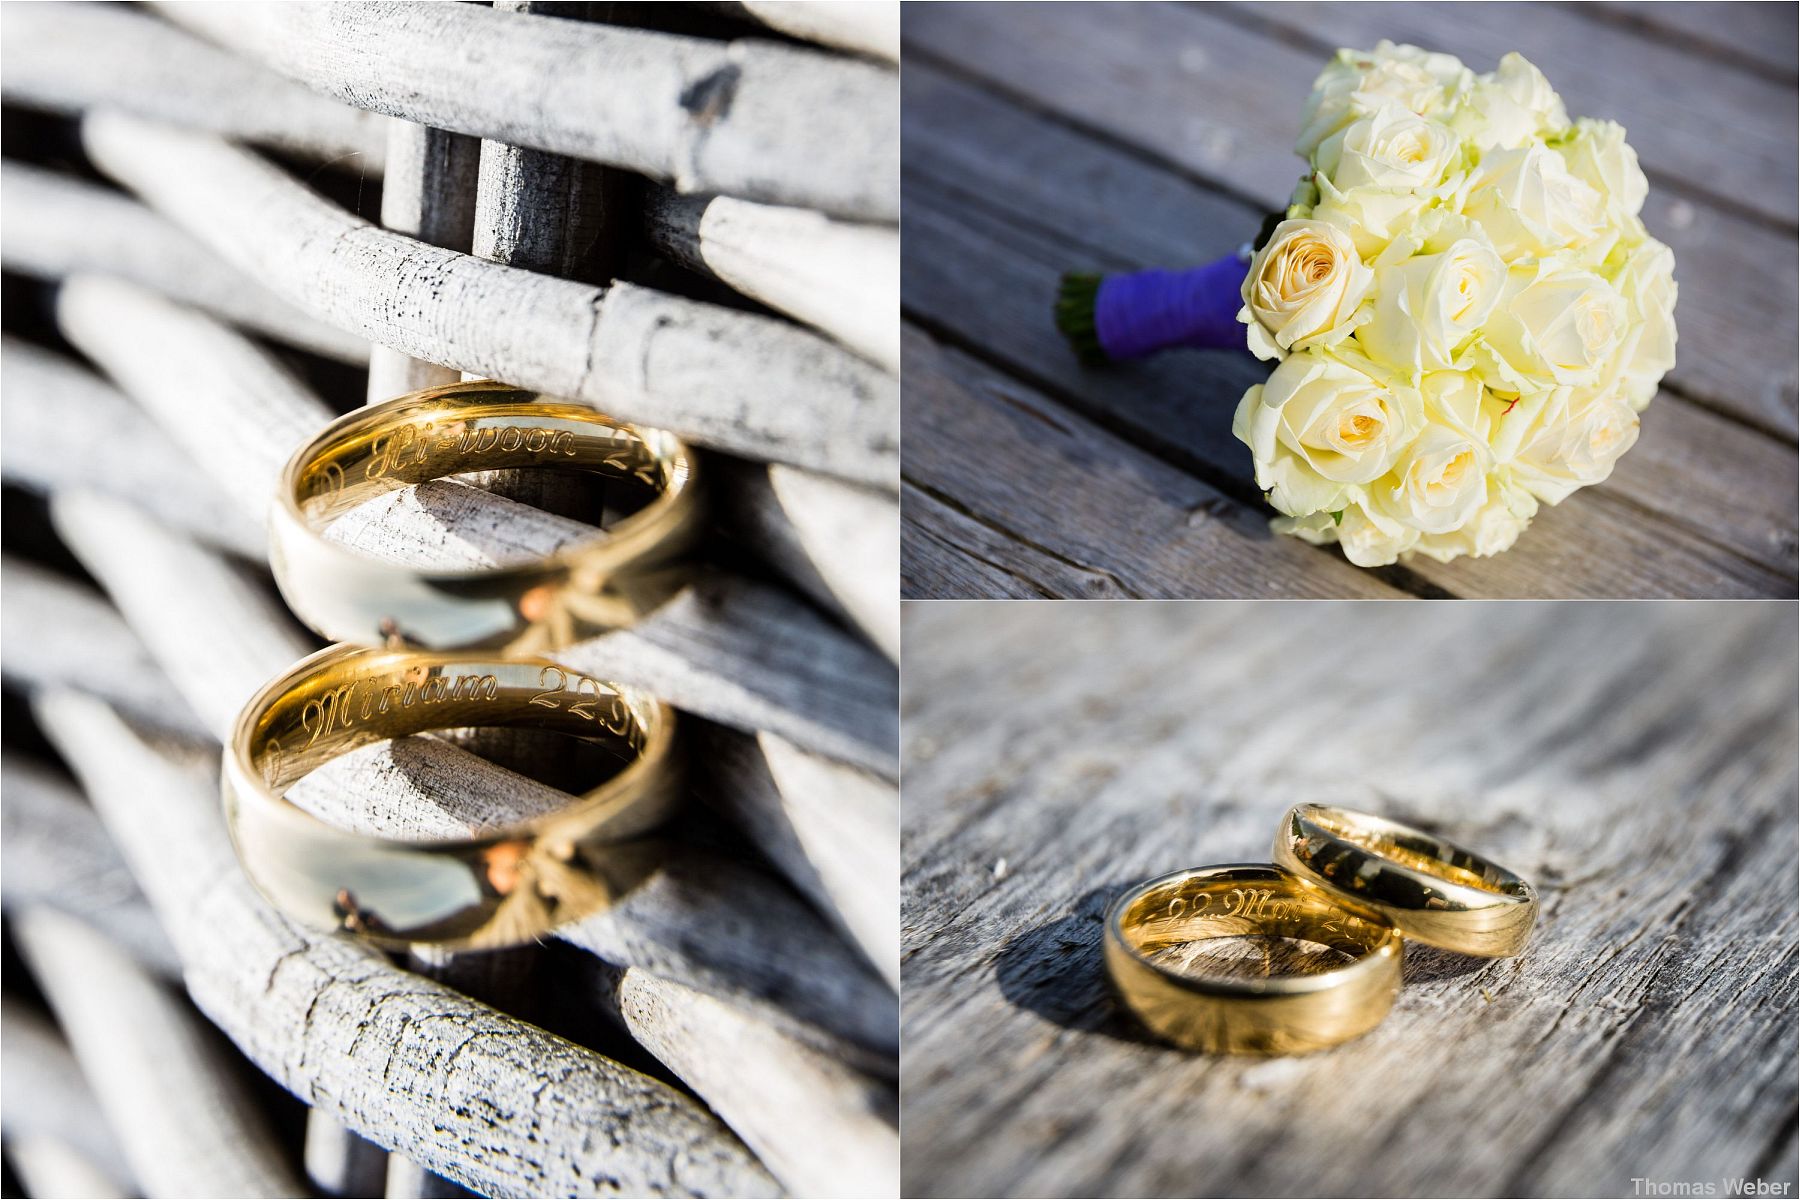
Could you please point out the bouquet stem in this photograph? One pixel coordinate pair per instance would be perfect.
(1110, 318)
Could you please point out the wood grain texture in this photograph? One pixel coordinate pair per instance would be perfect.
(748, 118)
(70, 58)
(1042, 139)
(56, 225)
(751, 385)
(1637, 762)
(1762, 34)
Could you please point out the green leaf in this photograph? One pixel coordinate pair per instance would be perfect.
(1337, 518)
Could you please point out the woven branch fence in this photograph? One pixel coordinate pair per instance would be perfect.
(222, 226)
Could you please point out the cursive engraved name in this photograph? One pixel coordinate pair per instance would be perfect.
(1258, 904)
(342, 707)
(413, 445)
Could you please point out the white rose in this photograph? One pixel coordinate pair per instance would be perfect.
(1647, 282)
(1355, 83)
(1388, 148)
(1555, 325)
(1321, 425)
(1438, 484)
(1510, 107)
(1530, 204)
(1598, 155)
(1494, 527)
(1565, 439)
(1427, 306)
(1369, 538)
(1303, 289)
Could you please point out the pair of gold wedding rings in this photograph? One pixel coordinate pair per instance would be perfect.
(431, 650)
(1354, 883)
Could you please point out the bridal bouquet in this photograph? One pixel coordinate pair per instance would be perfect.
(1464, 311)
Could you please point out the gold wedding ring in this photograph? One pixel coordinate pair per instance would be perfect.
(603, 582)
(494, 889)
(1434, 891)
(1269, 1014)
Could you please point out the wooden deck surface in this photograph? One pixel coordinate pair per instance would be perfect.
(1043, 138)
(1635, 761)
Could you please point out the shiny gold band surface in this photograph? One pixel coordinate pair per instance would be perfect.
(1278, 1014)
(603, 582)
(1433, 891)
(498, 889)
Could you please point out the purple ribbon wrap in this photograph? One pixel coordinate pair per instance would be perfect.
(1147, 311)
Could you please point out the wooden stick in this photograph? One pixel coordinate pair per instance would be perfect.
(185, 1122)
(838, 561)
(54, 853)
(47, 1098)
(55, 225)
(71, 58)
(748, 118)
(843, 279)
(58, 633)
(428, 194)
(865, 26)
(65, 428)
(820, 1128)
(340, 1162)
(49, 1166)
(750, 385)
(493, 1103)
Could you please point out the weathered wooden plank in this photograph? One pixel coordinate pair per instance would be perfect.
(1737, 276)
(69, 58)
(1217, 93)
(747, 118)
(749, 384)
(1758, 34)
(1179, 406)
(1123, 523)
(945, 552)
(1638, 762)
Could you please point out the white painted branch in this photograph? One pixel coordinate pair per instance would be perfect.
(406, 1179)
(745, 655)
(69, 58)
(494, 1103)
(743, 383)
(53, 226)
(746, 118)
(47, 1098)
(428, 194)
(58, 633)
(830, 830)
(54, 853)
(839, 277)
(852, 537)
(865, 26)
(821, 1129)
(186, 1124)
(65, 428)
(49, 1166)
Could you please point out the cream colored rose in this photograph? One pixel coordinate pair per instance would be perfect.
(1554, 326)
(1303, 289)
(1565, 439)
(1530, 204)
(1368, 537)
(1494, 527)
(1439, 483)
(1429, 305)
(1510, 107)
(1388, 148)
(1597, 154)
(1647, 282)
(1321, 425)
(1355, 83)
